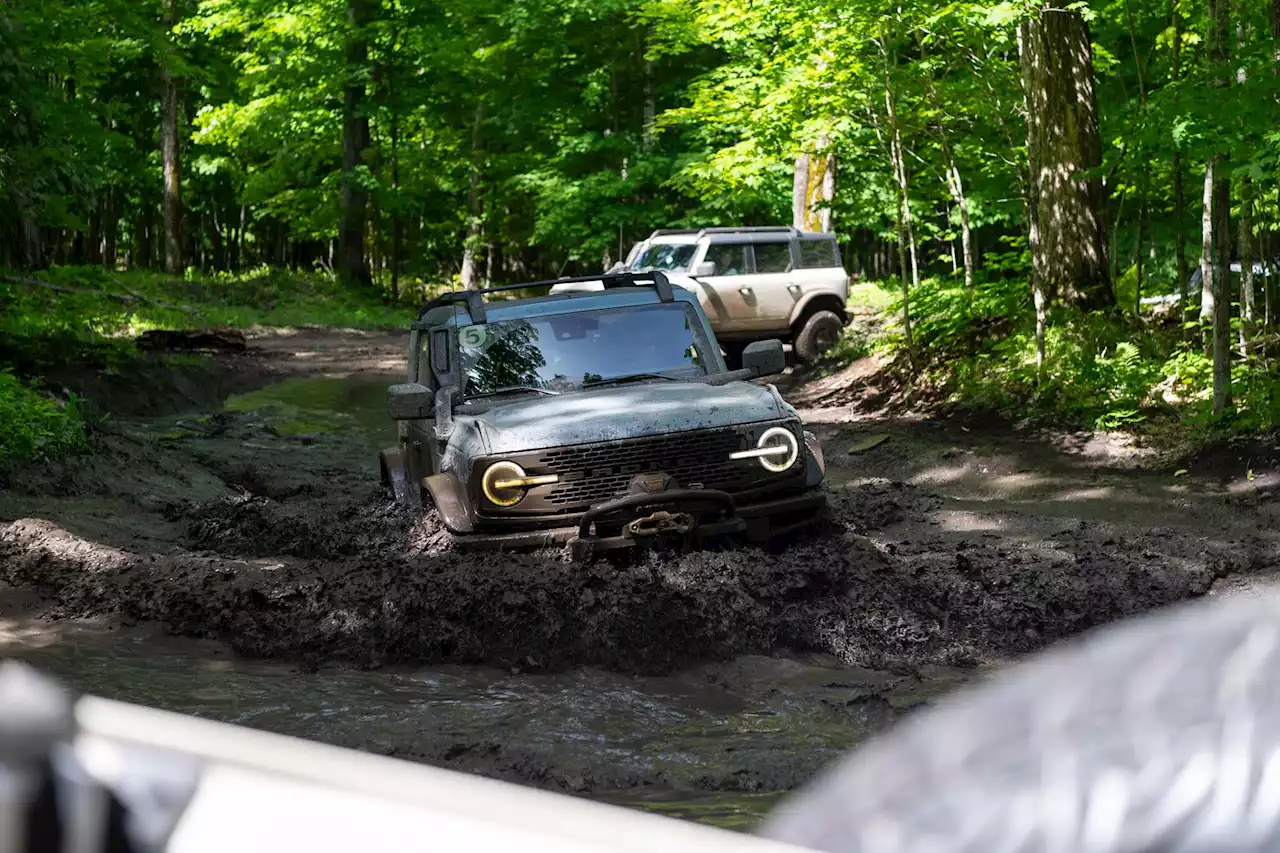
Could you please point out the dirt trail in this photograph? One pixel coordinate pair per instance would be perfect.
(265, 528)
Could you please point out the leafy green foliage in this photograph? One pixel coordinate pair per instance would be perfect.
(34, 426)
(1108, 372)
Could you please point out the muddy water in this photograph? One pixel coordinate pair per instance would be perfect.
(263, 527)
(718, 744)
(326, 404)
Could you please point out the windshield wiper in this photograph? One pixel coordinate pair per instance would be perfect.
(630, 377)
(534, 388)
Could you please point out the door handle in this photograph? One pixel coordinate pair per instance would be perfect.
(745, 291)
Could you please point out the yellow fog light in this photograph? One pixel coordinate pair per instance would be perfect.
(504, 483)
(777, 450)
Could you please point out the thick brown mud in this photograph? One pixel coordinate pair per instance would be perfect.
(285, 548)
(261, 527)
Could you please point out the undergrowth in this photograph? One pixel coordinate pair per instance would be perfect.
(85, 318)
(33, 426)
(1102, 370)
(93, 302)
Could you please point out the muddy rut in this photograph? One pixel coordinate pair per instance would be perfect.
(264, 528)
(261, 526)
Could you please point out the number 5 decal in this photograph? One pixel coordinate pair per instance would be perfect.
(473, 337)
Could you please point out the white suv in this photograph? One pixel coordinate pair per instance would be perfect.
(754, 283)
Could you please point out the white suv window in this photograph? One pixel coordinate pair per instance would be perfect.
(773, 257)
(665, 256)
(729, 259)
(817, 254)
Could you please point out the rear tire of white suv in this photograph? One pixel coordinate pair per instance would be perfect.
(819, 333)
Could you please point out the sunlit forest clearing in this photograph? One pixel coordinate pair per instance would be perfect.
(1063, 214)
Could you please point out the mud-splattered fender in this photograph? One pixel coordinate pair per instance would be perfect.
(449, 496)
(815, 463)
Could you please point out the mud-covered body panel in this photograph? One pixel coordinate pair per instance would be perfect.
(630, 411)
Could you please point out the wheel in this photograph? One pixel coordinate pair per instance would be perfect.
(1158, 734)
(819, 333)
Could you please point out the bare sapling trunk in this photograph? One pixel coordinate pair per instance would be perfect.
(1247, 302)
(170, 154)
(1179, 199)
(962, 206)
(1069, 256)
(899, 161)
(1217, 218)
(1143, 182)
(470, 273)
(352, 264)
(956, 187)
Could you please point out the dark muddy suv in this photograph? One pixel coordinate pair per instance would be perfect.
(603, 419)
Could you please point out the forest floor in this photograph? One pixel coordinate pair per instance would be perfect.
(255, 520)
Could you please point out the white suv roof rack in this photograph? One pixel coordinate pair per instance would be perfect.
(745, 229)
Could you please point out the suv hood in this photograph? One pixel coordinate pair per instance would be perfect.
(629, 411)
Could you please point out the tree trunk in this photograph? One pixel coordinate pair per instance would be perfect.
(650, 100)
(94, 247)
(1179, 199)
(897, 155)
(962, 205)
(470, 272)
(110, 227)
(1069, 256)
(1247, 305)
(1208, 271)
(1217, 240)
(1220, 236)
(173, 260)
(814, 188)
(397, 227)
(352, 267)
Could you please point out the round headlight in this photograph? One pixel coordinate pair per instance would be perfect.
(785, 449)
(497, 486)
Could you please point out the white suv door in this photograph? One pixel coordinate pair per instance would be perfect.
(722, 295)
(768, 290)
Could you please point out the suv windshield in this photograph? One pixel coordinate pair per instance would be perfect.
(561, 352)
(665, 256)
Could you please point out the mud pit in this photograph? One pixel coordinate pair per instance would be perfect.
(260, 527)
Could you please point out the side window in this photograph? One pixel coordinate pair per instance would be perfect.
(729, 260)
(815, 254)
(773, 257)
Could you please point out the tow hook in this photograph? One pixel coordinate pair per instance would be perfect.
(660, 523)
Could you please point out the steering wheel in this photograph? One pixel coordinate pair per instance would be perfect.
(1156, 734)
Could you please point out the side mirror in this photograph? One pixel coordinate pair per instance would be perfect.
(764, 358)
(409, 401)
(706, 268)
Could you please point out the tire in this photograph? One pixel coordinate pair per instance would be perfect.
(818, 333)
(1159, 734)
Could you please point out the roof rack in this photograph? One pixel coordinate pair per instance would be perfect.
(474, 300)
(744, 229)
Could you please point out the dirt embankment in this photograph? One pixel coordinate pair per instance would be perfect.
(939, 547)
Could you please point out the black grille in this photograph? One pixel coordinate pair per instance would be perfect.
(592, 473)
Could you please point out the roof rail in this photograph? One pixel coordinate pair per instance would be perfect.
(735, 229)
(474, 301)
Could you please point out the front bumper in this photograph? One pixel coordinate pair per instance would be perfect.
(714, 514)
